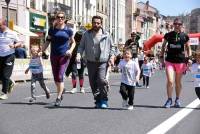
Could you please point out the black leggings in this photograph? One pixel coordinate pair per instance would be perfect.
(145, 80)
(127, 92)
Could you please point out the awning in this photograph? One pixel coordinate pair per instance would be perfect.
(24, 31)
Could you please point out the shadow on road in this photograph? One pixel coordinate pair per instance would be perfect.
(79, 107)
(148, 106)
(26, 103)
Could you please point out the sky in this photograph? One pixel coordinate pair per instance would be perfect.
(173, 7)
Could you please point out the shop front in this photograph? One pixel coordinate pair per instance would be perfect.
(38, 25)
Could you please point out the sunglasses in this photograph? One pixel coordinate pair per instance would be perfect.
(60, 17)
(178, 24)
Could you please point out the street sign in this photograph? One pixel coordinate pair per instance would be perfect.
(194, 41)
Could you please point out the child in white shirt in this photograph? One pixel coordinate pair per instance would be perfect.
(147, 70)
(36, 68)
(195, 69)
(130, 73)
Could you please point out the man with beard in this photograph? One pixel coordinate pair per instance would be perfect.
(99, 50)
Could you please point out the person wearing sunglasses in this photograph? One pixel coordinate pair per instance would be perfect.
(178, 51)
(62, 44)
(8, 42)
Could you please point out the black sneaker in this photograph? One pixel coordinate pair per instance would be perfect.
(57, 103)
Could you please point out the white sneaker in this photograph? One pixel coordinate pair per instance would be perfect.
(130, 107)
(74, 90)
(124, 103)
(82, 90)
(147, 87)
(3, 96)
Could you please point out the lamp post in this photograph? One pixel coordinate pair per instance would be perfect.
(7, 3)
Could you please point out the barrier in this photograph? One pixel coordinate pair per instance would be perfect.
(158, 38)
(21, 65)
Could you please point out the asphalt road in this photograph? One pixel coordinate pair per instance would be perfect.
(78, 116)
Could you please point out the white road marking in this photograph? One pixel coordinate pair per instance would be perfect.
(43, 95)
(173, 120)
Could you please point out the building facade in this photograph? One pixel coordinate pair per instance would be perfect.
(83, 10)
(130, 18)
(195, 21)
(146, 20)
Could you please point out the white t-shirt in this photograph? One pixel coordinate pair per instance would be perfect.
(7, 38)
(195, 69)
(147, 69)
(35, 65)
(140, 56)
(128, 72)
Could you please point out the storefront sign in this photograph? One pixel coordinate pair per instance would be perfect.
(37, 22)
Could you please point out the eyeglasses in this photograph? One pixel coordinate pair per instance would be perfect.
(60, 17)
(179, 24)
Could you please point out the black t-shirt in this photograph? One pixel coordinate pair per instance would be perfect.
(134, 45)
(175, 46)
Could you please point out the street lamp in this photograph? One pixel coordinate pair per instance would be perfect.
(7, 3)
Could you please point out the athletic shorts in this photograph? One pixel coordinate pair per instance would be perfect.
(177, 67)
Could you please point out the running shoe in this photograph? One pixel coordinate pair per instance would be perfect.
(177, 103)
(3, 96)
(130, 107)
(82, 90)
(74, 90)
(168, 103)
(104, 104)
(57, 103)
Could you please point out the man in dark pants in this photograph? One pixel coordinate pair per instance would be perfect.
(99, 50)
(8, 42)
(133, 44)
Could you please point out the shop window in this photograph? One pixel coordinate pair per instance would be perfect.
(32, 4)
(12, 14)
